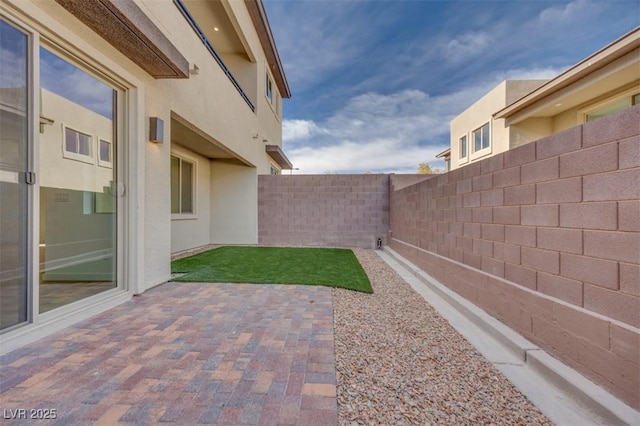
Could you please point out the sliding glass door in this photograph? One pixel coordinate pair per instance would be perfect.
(59, 200)
(78, 203)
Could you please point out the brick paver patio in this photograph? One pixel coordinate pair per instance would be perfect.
(186, 353)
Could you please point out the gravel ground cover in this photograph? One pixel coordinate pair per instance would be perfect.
(400, 363)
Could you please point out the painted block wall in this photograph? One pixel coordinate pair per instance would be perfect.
(545, 237)
(323, 210)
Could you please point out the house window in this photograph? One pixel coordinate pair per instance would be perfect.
(463, 147)
(104, 153)
(611, 107)
(182, 185)
(481, 138)
(269, 89)
(77, 145)
(274, 171)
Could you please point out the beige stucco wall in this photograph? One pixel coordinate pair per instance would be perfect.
(60, 172)
(530, 130)
(474, 117)
(534, 128)
(481, 112)
(234, 206)
(208, 100)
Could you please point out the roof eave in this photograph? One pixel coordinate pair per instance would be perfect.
(261, 23)
(276, 153)
(445, 153)
(599, 59)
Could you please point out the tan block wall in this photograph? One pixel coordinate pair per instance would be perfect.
(323, 210)
(545, 237)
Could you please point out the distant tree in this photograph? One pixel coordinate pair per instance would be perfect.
(424, 169)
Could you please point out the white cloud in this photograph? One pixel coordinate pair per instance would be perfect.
(570, 12)
(375, 132)
(386, 133)
(466, 46)
(379, 156)
(298, 129)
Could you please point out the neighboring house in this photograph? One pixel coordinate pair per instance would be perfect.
(446, 156)
(130, 130)
(517, 112)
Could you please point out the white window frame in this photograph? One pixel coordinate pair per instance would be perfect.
(101, 162)
(466, 142)
(268, 90)
(194, 174)
(70, 155)
(483, 150)
(273, 96)
(584, 112)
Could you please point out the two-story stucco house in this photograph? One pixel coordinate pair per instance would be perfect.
(517, 112)
(129, 130)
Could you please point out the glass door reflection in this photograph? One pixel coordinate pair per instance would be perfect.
(78, 205)
(14, 139)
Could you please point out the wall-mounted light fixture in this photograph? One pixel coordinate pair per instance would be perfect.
(265, 140)
(156, 130)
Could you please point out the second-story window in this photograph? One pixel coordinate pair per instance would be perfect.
(463, 147)
(481, 138)
(269, 88)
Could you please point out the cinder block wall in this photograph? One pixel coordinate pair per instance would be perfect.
(323, 210)
(545, 237)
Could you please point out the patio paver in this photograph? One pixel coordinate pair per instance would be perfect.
(186, 353)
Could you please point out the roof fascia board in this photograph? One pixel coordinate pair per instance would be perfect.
(276, 153)
(558, 95)
(589, 65)
(445, 153)
(261, 23)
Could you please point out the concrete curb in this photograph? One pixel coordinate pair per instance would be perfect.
(584, 392)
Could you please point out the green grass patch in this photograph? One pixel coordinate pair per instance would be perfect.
(275, 265)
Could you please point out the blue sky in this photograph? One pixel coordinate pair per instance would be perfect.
(375, 82)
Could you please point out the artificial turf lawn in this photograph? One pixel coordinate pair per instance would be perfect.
(275, 265)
